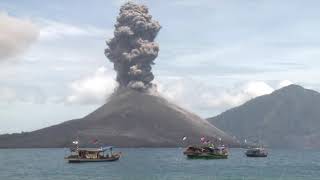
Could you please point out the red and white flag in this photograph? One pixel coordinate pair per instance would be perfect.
(202, 139)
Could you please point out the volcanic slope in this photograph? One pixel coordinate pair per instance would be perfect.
(129, 119)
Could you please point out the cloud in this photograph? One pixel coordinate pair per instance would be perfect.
(16, 35)
(53, 30)
(93, 89)
(256, 88)
(7, 95)
(237, 95)
(22, 94)
(284, 83)
(199, 97)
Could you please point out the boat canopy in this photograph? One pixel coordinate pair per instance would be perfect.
(106, 148)
(102, 149)
(90, 149)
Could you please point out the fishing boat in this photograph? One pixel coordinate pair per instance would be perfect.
(206, 152)
(79, 155)
(256, 152)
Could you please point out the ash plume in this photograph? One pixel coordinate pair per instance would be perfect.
(132, 50)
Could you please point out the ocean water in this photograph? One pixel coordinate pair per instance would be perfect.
(159, 164)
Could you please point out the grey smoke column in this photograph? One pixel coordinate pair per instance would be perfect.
(132, 50)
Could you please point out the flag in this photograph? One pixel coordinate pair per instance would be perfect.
(75, 142)
(95, 141)
(184, 138)
(202, 139)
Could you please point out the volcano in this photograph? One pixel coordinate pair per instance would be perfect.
(129, 119)
(132, 116)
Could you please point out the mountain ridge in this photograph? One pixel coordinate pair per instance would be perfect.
(286, 118)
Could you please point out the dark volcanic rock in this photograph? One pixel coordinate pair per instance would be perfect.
(129, 119)
(287, 118)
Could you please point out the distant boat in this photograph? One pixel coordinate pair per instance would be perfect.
(256, 152)
(206, 152)
(79, 155)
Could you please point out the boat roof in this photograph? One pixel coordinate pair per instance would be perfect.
(258, 148)
(90, 149)
(95, 149)
(252, 149)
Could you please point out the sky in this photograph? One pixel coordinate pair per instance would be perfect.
(214, 55)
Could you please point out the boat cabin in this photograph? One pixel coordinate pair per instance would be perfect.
(92, 155)
(256, 152)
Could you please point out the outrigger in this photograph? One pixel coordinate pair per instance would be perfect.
(79, 155)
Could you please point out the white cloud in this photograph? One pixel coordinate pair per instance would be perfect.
(93, 89)
(237, 95)
(7, 95)
(196, 96)
(256, 88)
(284, 83)
(16, 35)
(52, 30)
(23, 94)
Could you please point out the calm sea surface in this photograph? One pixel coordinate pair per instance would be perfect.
(158, 163)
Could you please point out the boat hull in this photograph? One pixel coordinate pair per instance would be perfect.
(256, 155)
(211, 156)
(85, 160)
(256, 152)
(206, 152)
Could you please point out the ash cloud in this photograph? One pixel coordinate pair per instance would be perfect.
(16, 35)
(132, 50)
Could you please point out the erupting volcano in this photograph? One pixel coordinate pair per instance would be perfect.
(132, 116)
(132, 50)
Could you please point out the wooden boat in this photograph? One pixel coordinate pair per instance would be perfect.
(79, 155)
(256, 152)
(206, 152)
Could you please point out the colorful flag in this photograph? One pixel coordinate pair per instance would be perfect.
(202, 139)
(95, 141)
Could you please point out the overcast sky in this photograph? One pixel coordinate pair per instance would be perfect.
(214, 55)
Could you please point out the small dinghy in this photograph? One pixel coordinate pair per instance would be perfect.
(79, 155)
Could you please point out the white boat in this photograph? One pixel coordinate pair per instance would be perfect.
(79, 155)
(256, 152)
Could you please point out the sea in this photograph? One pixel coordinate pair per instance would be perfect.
(159, 164)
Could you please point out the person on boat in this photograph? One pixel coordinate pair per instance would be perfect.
(211, 145)
(224, 151)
